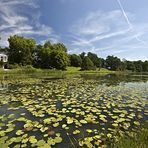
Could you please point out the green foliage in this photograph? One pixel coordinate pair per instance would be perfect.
(59, 47)
(14, 66)
(3, 50)
(130, 66)
(43, 56)
(87, 64)
(138, 66)
(138, 140)
(21, 50)
(113, 63)
(102, 61)
(122, 66)
(52, 56)
(82, 55)
(145, 66)
(94, 58)
(47, 44)
(59, 60)
(75, 60)
(22, 69)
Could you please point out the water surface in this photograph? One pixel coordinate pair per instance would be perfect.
(87, 110)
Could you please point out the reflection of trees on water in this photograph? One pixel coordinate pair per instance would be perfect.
(116, 79)
(3, 86)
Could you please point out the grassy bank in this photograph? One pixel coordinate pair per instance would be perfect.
(137, 140)
(53, 72)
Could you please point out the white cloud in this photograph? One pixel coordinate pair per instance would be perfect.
(97, 23)
(98, 26)
(22, 17)
(109, 33)
(19, 2)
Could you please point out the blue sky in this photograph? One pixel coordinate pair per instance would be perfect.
(105, 27)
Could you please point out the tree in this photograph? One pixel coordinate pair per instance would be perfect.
(138, 66)
(47, 44)
(87, 64)
(4, 50)
(21, 50)
(122, 66)
(113, 63)
(102, 62)
(130, 66)
(43, 56)
(82, 55)
(75, 60)
(59, 60)
(94, 58)
(52, 56)
(145, 66)
(59, 47)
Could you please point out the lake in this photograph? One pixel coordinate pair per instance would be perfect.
(75, 111)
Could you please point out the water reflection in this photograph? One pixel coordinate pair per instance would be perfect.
(3, 86)
(116, 79)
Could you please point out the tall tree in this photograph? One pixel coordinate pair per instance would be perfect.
(138, 66)
(75, 60)
(82, 55)
(59, 60)
(43, 56)
(47, 44)
(87, 64)
(52, 56)
(113, 63)
(21, 50)
(130, 66)
(94, 58)
(59, 47)
(102, 62)
(145, 66)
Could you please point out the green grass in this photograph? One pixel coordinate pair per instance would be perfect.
(138, 140)
(70, 70)
(27, 71)
(77, 70)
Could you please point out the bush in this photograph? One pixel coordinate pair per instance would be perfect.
(14, 66)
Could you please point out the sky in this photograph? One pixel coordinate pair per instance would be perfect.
(104, 27)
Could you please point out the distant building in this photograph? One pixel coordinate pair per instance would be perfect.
(3, 60)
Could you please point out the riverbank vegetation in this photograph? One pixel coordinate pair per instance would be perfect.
(29, 70)
(137, 140)
(24, 51)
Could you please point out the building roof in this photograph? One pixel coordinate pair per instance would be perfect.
(2, 54)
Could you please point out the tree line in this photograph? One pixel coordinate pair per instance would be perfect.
(24, 51)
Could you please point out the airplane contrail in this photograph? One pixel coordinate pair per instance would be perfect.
(124, 14)
(128, 21)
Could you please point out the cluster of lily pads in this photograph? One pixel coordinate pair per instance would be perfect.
(69, 112)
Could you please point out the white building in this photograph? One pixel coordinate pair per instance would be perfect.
(3, 58)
